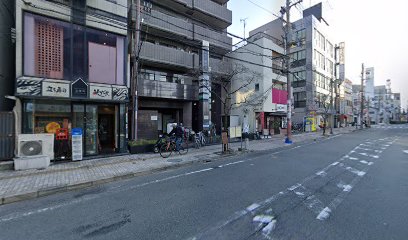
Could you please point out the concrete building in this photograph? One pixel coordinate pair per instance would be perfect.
(173, 62)
(71, 71)
(7, 56)
(261, 104)
(312, 61)
(346, 103)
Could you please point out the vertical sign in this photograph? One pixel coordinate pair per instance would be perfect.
(76, 144)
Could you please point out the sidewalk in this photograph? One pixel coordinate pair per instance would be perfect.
(60, 177)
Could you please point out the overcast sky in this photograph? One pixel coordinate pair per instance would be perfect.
(375, 33)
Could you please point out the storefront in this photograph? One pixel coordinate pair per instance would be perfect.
(73, 76)
(103, 124)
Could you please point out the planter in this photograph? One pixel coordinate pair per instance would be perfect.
(141, 148)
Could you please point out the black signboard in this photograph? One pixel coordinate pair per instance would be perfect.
(79, 89)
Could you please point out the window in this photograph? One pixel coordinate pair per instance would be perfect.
(60, 50)
(257, 87)
(46, 47)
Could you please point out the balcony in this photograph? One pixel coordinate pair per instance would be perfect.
(220, 66)
(162, 55)
(158, 89)
(214, 38)
(214, 9)
(168, 23)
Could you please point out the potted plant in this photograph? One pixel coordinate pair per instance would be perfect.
(276, 126)
(141, 146)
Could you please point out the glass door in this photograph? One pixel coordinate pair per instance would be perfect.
(91, 130)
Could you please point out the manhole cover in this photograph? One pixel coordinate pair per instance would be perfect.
(174, 160)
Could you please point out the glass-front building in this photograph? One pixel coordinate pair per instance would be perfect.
(74, 76)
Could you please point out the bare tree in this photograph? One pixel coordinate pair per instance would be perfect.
(326, 109)
(237, 89)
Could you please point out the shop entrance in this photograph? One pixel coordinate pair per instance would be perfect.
(106, 129)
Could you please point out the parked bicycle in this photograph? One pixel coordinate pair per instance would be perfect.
(199, 140)
(170, 145)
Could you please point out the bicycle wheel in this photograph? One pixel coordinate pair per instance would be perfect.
(183, 148)
(165, 150)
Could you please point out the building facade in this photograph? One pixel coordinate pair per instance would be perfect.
(181, 42)
(7, 48)
(260, 99)
(71, 71)
(346, 103)
(312, 57)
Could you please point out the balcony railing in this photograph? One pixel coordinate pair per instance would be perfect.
(169, 56)
(220, 66)
(214, 9)
(158, 89)
(215, 38)
(168, 23)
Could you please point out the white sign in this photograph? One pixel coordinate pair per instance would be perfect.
(279, 107)
(103, 92)
(55, 89)
(153, 118)
(77, 144)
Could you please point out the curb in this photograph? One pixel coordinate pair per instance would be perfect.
(83, 185)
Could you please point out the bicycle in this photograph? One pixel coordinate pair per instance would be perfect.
(170, 145)
(199, 140)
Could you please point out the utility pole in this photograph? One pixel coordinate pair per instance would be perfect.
(288, 37)
(331, 106)
(362, 96)
(135, 33)
(244, 20)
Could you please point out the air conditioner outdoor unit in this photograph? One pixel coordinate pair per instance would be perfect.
(35, 144)
(34, 151)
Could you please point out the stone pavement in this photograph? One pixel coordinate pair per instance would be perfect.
(60, 177)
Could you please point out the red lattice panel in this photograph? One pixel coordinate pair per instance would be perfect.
(49, 50)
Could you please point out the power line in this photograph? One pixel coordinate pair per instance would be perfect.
(263, 8)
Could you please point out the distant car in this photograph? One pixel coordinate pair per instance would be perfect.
(381, 124)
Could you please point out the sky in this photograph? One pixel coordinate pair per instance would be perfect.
(375, 32)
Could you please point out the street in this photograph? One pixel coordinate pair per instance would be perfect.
(350, 186)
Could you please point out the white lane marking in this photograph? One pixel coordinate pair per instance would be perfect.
(299, 193)
(229, 164)
(345, 187)
(321, 173)
(370, 163)
(263, 218)
(294, 187)
(252, 207)
(364, 162)
(369, 155)
(406, 151)
(324, 214)
(269, 228)
(199, 171)
(334, 164)
(355, 171)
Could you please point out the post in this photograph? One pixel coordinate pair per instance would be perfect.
(331, 106)
(135, 69)
(362, 97)
(289, 84)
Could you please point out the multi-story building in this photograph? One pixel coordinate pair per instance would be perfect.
(312, 62)
(260, 92)
(172, 61)
(7, 40)
(356, 95)
(71, 70)
(379, 103)
(346, 102)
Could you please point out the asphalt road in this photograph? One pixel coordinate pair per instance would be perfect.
(353, 186)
